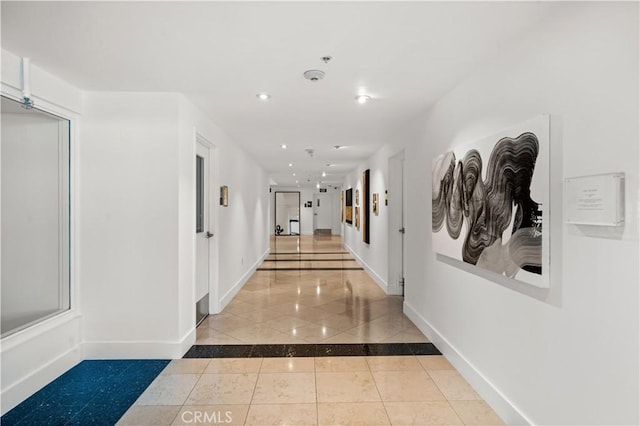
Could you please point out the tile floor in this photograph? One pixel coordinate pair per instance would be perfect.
(310, 290)
(398, 390)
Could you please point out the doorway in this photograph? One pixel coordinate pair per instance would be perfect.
(395, 200)
(287, 213)
(322, 208)
(204, 228)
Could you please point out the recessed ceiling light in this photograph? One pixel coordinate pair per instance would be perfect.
(324, 174)
(363, 99)
(318, 185)
(283, 146)
(293, 174)
(263, 96)
(290, 164)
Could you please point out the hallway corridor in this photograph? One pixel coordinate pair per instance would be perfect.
(310, 290)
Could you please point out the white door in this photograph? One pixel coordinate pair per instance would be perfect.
(322, 207)
(203, 231)
(396, 225)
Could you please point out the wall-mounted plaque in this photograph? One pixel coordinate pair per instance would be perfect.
(595, 200)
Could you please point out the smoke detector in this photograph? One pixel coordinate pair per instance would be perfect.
(314, 75)
(310, 152)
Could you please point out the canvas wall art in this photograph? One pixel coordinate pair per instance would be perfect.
(366, 234)
(490, 203)
(348, 202)
(375, 203)
(357, 217)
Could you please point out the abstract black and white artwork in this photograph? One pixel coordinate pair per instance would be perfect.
(490, 203)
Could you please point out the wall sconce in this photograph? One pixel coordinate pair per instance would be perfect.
(224, 196)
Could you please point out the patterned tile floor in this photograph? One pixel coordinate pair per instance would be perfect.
(399, 390)
(310, 290)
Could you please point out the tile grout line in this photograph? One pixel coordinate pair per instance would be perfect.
(253, 393)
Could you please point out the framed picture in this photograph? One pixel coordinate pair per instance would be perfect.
(490, 203)
(224, 196)
(357, 197)
(348, 203)
(342, 207)
(375, 203)
(357, 217)
(366, 235)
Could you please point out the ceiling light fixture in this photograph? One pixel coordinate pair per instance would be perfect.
(283, 146)
(293, 174)
(318, 185)
(339, 147)
(363, 99)
(324, 174)
(263, 96)
(329, 165)
(290, 164)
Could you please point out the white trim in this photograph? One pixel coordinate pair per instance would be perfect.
(15, 394)
(139, 349)
(377, 278)
(224, 301)
(506, 409)
(34, 377)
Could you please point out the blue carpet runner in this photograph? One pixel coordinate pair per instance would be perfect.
(91, 393)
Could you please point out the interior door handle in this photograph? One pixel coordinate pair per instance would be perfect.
(208, 235)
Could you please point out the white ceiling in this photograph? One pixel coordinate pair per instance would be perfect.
(221, 54)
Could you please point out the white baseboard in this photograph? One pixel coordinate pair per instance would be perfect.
(487, 390)
(35, 357)
(382, 283)
(35, 381)
(139, 349)
(228, 297)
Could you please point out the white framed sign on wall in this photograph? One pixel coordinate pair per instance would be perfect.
(595, 200)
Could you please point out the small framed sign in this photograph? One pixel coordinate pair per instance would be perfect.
(595, 200)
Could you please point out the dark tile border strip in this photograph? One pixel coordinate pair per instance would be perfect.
(311, 252)
(309, 260)
(311, 350)
(310, 269)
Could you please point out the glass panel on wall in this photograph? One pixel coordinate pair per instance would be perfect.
(199, 194)
(35, 216)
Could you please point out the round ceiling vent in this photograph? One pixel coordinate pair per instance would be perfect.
(314, 75)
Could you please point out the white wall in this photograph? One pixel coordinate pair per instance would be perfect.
(33, 357)
(567, 355)
(241, 229)
(373, 256)
(138, 222)
(129, 223)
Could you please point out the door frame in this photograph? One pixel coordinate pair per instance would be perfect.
(275, 213)
(316, 196)
(213, 197)
(397, 200)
